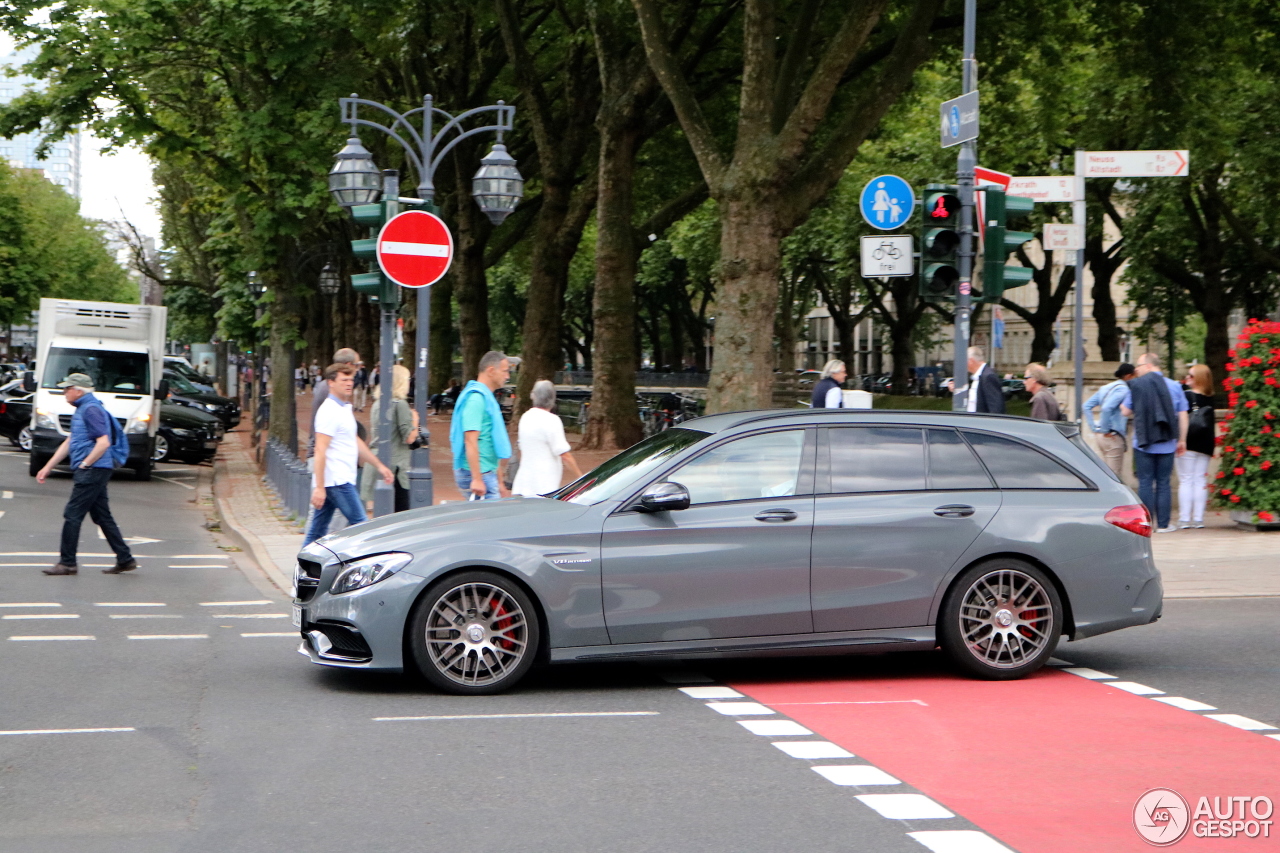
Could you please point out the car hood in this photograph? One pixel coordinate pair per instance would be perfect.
(466, 521)
(184, 417)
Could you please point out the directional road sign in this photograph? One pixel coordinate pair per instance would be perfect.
(1063, 237)
(1136, 164)
(415, 248)
(887, 202)
(959, 119)
(887, 255)
(1047, 188)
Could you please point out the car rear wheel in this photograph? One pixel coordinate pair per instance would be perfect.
(161, 451)
(474, 633)
(23, 439)
(1001, 620)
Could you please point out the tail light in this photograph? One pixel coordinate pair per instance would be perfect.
(1135, 518)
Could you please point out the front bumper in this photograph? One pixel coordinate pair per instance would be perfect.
(364, 629)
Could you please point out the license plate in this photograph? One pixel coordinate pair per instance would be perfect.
(297, 616)
(210, 445)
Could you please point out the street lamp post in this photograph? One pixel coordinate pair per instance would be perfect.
(497, 188)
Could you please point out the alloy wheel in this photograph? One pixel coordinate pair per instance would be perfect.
(477, 634)
(1006, 619)
(24, 439)
(162, 448)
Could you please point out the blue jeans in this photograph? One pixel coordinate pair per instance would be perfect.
(1154, 470)
(462, 477)
(343, 498)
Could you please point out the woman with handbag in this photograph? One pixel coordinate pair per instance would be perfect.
(404, 437)
(1193, 466)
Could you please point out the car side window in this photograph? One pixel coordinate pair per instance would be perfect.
(1017, 466)
(757, 466)
(952, 464)
(876, 459)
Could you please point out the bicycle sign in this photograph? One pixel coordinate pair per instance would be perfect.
(887, 255)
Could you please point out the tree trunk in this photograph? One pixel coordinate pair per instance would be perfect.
(284, 326)
(1216, 310)
(440, 352)
(746, 300)
(1103, 268)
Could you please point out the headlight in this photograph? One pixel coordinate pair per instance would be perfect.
(369, 570)
(183, 433)
(213, 407)
(44, 420)
(140, 424)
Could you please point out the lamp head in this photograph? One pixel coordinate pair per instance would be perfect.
(354, 178)
(497, 185)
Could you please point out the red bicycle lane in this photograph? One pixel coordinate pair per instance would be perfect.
(1049, 764)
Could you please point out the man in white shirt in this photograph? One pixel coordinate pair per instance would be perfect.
(985, 392)
(338, 451)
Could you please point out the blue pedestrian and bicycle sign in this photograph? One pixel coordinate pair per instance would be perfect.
(887, 202)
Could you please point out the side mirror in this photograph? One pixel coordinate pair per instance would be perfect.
(29, 381)
(664, 497)
(162, 392)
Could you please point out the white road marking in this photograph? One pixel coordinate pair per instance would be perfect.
(53, 637)
(270, 634)
(730, 709)
(66, 731)
(1241, 722)
(22, 565)
(904, 806)
(1135, 688)
(129, 604)
(1, 513)
(6, 495)
(144, 616)
(862, 702)
(520, 716)
(959, 841)
(40, 616)
(812, 749)
(29, 604)
(233, 603)
(855, 775)
(201, 566)
(50, 554)
(132, 540)
(197, 557)
(175, 482)
(1273, 737)
(686, 678)
(710, 693)
(1085, 672)
(1184, 704)
(168, 636)
(251, 616)
(774, 728)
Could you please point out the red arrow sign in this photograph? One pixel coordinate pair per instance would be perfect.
(415, 248)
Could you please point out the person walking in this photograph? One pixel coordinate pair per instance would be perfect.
(1044, 406)
(1111, 428)
(543, 447)
(346, 355)
(478, 435)
(985, 394)
(1193, 466)
(1158, 407)
(361, 386)
(338, 451)
(404, 434)
(827, 391)
(94, 448)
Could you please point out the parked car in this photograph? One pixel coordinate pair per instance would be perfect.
(182, 367)
(750, 534)
(186, 434)
(1015, 389)
(15, 414)
(183, 393)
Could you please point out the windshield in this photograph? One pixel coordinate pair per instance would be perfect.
(624, 470)
(186, 372)
(178, 383)
(121, 372)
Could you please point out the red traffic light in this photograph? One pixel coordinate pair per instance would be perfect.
(940, 206)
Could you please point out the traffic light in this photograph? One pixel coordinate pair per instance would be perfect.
(940, 243)
(374, 284)
(1000, 243)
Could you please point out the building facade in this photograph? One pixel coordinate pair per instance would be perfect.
(62, 164)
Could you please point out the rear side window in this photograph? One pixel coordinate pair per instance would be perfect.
(1017, 466)
(876, 459)
(952, 464)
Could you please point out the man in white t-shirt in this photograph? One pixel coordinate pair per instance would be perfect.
(338, 451)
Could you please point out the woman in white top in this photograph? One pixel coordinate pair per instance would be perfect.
(542, 446)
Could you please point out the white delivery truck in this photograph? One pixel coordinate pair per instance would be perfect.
(120, 347)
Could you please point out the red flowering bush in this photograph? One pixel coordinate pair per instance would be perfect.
(1250, 478)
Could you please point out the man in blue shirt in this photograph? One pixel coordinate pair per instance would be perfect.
(479, 435)
(89, 447)
(1112, 426)
(1152, 456)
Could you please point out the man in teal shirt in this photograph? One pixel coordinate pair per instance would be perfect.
(479, 435)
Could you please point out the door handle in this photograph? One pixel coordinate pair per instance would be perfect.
(776, 515)
(954, 511)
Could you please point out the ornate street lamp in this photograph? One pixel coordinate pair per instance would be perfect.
(330, 280)
(354, 178)
(497, 186)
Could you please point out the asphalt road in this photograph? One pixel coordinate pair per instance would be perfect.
(230, 741)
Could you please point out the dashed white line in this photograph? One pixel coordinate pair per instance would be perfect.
(730, 709)
(1135, 688)
(40, 616)
(175, 482)
(197, 557)
(18, 604)
(711, 693)
(129, 604)
(520, 716)
(294, 634)
(855, 775)
(811, 749)
(861, 702)
(67, 731)
(1273, 737)
(1184, 703)
(201, 566)
(904, 806)
(53, 637)
(168, 636)
(1240, 722)
(144, 616)
(959, 841)
(774, 728)
(234, 603)
(6, 495)
(1085, 672)
(250, 615)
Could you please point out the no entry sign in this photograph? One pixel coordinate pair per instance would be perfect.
(415, 248)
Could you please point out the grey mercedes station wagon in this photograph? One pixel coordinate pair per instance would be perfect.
(749, 534)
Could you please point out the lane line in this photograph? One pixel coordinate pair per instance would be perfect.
(1184, 703)
(175, 482)
(22, 565)
(1085, 672)
(959, 841)
(40, 616)
(56, 554)
(1240, 722)
(1, 513)
(1135, 688)
(521, 716)
(904, 806)
(234, 603)
(53, 637)
(144, 616)
(6, 495)
(197, 557)
(16, 604)
(168, 636)
(774, 728)
(730, 709)
(855, 775)
(812, 749)
(249, 615)
(201, 566)
(862, 702)
(269, 634)
(67, 731)
(711, 693)
(129, 604)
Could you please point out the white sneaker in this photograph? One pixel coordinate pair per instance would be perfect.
(1185, 525)
(1169, 529)
(1199, 525)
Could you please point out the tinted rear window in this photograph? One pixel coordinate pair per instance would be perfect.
(952, 464)
(1017, 466)
(876, 459)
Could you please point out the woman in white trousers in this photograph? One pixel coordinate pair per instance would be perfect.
(1193, 466)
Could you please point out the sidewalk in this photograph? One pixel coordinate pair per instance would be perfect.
(1220, 561)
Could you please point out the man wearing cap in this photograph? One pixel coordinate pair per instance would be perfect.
(478, 434)
(89, 447)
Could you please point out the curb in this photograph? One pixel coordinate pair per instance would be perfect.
(244, 538)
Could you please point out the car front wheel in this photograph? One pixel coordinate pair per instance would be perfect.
(1001, 620)
(24, 439)
(161, 451)
(474, 633)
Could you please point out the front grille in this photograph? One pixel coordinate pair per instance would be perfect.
(306, 579)
(347, 641)
(64, 421)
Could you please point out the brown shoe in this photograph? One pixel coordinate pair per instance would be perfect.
(127, 566)
(61, 569)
